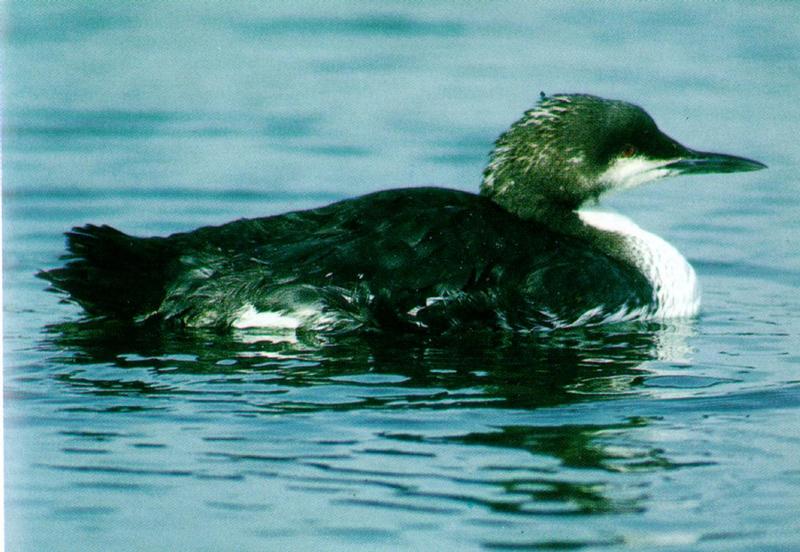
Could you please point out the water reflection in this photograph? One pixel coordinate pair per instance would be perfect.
(417, 405)
(475, 370)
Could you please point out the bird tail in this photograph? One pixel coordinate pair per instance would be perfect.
(112, 274)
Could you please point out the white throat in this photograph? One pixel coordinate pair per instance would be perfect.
(625, 173)
(673, 279)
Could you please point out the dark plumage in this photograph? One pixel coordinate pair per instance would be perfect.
(371, 259)
(416, 259)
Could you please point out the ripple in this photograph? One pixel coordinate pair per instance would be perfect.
(361, 25)
(398, 452)
(237, 506)
(118, 470)
(685, 382)
(74, 450)
(71, 512)
(395, 506)
(551, 544)
(372, 379)
(93, 435)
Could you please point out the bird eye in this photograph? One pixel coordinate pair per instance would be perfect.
(629, 151)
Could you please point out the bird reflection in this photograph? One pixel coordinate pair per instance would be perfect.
(476, 372)
(499, 370)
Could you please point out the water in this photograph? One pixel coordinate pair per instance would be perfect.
(156, 117)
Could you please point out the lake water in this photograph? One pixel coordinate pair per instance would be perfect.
(158, 117)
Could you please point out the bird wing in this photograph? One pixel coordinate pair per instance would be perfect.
(419, 257)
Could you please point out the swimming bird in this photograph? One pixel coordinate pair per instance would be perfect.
(521, 255)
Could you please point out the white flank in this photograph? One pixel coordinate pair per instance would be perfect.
(433, 300)
(670, 274)
(251, 318)
(309, 317)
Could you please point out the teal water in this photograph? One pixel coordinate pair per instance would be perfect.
(157, 117)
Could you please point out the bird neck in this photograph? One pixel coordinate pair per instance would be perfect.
(553, 189)
(532, 206)
(673, 279)
(566, 219)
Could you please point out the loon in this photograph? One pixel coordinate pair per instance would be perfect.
(520, 256)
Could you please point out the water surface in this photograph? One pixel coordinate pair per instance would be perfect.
(156, 118)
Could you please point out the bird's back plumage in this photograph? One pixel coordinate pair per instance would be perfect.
(420, 259)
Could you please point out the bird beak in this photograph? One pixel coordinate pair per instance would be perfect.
(702, 162)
